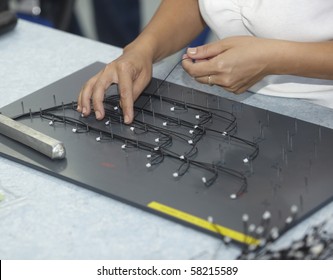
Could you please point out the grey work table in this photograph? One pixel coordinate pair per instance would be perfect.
(42, 217)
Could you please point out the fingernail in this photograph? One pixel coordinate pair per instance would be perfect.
(192, 50)
(98, 115)
(126, 119)
(84, 110)
(78, 108)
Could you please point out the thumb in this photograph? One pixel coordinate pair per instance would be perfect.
(205, 51)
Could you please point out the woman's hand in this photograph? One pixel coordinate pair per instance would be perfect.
(132, 71)
(234, 63)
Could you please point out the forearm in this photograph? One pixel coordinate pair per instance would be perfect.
(313, 60)
(173, 26)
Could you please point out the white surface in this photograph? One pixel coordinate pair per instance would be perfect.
(43, 217)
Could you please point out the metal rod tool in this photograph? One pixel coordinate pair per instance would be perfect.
(34, 139)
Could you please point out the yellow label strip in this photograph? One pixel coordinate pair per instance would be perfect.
(223, 231)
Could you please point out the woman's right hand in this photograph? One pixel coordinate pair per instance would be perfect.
(132, 71)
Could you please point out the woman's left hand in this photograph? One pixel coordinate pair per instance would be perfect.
(235, 63)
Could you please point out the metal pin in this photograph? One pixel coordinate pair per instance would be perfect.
(291, 144)
(143, 116)
(294, 210)
(315, 150)
(278, 172)
(221, 150)
(306, 182)
(22, 105)
(296, 126)
(261, 130)
(161, 101)
(151, 103)
(301, 201)
(54, 99)
(63, 111)
(245, 219)
(267, 118)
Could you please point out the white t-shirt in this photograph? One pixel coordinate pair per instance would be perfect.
(295, 20)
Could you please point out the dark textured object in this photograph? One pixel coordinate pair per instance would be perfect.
(317, 244)
(8, 21)
(256, 193)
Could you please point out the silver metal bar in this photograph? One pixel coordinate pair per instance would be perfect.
(34, 139)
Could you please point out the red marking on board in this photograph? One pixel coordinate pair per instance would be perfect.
(107, 164)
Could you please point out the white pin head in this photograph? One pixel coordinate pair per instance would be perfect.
(51, 123)
(115, 108)
(294, 209)
(175, 175)
(267, 215)
(252, 227)
(165, 123)
(107, 123)
(74, 130)
(132, 128)
(123, 146)
(197, 117)
(190, 141)
(157, 140)
(204, 180)
(245, 218)
(289, 220)
(182, 157)
(191, 131)
(246, 160)
(98, 139)
(259, 230)
(172, 109)
(275, 233)
(210, 219)
(148, 165)
(227, 239)
(149, 156)
(233, 196)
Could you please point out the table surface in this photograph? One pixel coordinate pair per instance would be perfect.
(42, 217)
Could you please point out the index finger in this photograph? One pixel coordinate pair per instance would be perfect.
(125, 88)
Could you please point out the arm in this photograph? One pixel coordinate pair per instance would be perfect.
(237, 63)
(174, 25)
(312, 60)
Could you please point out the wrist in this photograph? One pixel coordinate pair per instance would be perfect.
(145, 46)
(284, 58)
